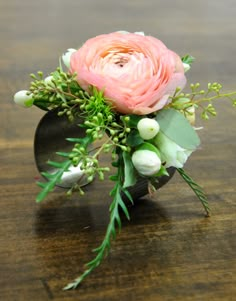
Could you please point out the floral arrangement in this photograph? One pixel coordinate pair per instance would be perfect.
(128, 90)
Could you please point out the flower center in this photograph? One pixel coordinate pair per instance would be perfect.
(120, 59)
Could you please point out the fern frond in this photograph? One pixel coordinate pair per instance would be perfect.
(197, 190)
(53, 179)
(115, 221)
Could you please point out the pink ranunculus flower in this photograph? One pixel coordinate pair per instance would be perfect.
(137, 73)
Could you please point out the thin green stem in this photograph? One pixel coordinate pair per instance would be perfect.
(214, 97)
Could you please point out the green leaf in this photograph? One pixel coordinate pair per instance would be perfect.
(118, 221)
(124, 208)
(55, 164)
(41, 105)
(128, 195)
(150, 147)
(188, 59)
(133, 120)
(63, 154)
(113, 178)
(41, 184)
(53, 179)
(162, 172)
(177, 128)
(129, 171)
(134, 139)
(85, 141)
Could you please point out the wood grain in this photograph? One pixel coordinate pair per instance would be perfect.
(169, 250)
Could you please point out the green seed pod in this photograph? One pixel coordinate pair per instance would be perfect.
(127, 119)
(90, 178)
(115, 140)
(109, 118)
(101, 176)
(124, 148)
(81, 192)
(112, 132)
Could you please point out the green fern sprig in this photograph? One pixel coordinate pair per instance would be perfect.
(52, 178)
(197, 190)
(115, 221)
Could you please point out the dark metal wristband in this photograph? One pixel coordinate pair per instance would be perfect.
(50, 137)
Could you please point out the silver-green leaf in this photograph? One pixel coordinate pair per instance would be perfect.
(177, 128)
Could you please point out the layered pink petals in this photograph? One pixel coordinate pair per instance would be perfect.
(137, 73)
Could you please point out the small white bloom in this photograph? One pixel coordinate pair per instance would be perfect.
(186, 67)
(146, 162)
(23, 99)
(48, 79)
(66, 57)
(148, 128)
(171, 153)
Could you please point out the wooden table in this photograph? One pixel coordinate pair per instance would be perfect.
(169, 250)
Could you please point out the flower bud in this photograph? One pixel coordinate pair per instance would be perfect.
(66, 57)
(148, 128)
(146, 162)
(23, 99)
(48, 80)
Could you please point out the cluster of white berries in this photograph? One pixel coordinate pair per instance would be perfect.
(146, 159)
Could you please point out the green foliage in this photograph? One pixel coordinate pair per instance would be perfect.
(62, 92)
(134, 138)
(197, 190)
(53, 178)
(177, 128)
(114, 222)
(130, 177)
(188, 59)
(208, 110)
(197, 97)
(96, 106)
(131, 120)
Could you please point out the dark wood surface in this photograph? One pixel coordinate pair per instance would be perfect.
(169, 250)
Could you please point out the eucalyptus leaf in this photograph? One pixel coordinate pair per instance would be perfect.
(177, 128)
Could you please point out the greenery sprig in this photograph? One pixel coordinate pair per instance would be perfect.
(198, 97)
(115, 221)
(196, 188)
